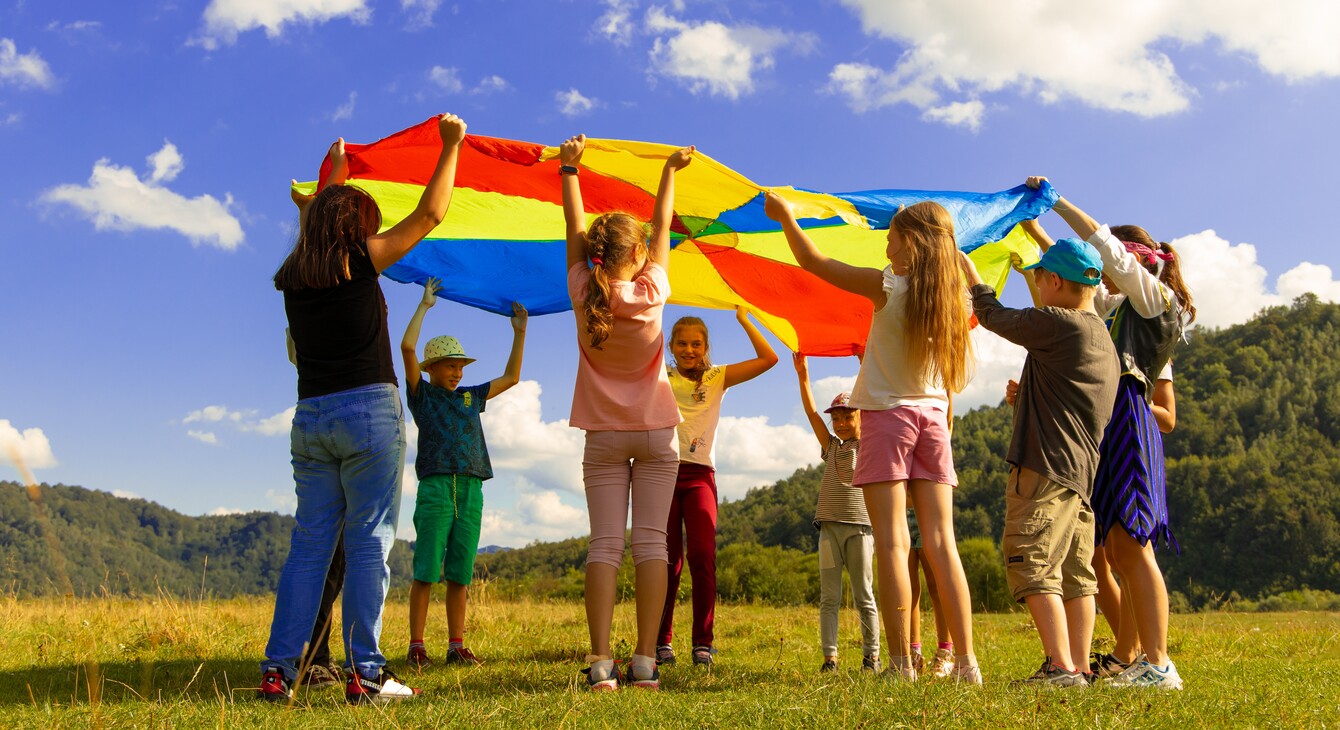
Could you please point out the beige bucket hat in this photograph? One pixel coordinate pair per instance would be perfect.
(442, 348)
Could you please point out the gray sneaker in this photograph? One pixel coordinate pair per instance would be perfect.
(871, 664)
(1050, 675)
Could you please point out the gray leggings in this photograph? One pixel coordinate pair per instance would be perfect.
(850, 546)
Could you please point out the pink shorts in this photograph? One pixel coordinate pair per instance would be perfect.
(903, 443)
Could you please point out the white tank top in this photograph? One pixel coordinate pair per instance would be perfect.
(887, 377)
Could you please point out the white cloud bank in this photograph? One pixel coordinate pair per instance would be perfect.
(572, 103)
(224, 20)
(1105, 55)
(116, 199)
(244, 421)
(29, 447)
(23, 69)
(709, 56)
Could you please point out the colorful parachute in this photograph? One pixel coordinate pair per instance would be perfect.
(502, 239)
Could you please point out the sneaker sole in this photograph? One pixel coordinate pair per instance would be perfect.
(608, 685)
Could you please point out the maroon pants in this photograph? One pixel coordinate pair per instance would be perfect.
(693, 524)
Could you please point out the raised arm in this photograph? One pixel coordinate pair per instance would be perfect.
(574, 214)
(389, 247)
(861, 280)
(807, 401)
(664, 212)
(764, 359)
(1080, 222)
(409, 344)
(512, 375)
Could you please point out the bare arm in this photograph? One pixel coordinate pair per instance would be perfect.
(861, 280)
(1080, 222)
(409, 344)
(574, 213)
(807, 401)
(389, 247)
(512, 375)
(1165, 406)
(1034, 229)
(740, 372)
(664, 212)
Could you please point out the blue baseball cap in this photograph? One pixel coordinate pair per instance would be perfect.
(1069, 258)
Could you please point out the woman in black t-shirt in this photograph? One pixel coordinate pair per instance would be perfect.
(348, 436)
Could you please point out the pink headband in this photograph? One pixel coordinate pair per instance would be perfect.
(1146, 254)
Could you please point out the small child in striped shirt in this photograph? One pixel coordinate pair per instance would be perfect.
(845, 536)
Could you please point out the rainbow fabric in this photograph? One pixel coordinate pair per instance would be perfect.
(502, 238)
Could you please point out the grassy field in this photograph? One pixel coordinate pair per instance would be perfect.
(176, 663)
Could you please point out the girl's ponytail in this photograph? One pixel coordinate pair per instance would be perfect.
(1172, 276)
(599, 318)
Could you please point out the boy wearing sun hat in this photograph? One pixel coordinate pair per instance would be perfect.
(451, 465)
(1063, 404)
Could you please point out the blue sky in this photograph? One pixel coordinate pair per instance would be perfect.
(148, 148)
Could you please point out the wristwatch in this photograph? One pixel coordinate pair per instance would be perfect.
(567, 170)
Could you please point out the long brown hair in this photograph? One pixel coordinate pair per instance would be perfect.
(1172, 269)
(337, 224)
(705, 363)
(612, 240)
(937, 319)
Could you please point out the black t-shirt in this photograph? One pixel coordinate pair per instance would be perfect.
(340, 333)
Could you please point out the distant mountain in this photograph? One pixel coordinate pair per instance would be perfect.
(491, 549)
(86, 542)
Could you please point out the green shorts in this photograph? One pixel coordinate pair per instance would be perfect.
(447, 515)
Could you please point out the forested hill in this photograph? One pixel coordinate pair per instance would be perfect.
(88, 542)
(1253, 470)
(1253, 474)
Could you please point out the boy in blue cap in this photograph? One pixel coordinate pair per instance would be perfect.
(1063, 404)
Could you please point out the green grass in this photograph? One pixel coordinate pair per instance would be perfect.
(169, 663)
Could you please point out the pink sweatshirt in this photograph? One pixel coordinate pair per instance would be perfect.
(623, 385)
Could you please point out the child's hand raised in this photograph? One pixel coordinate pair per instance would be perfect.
(570, 152)
(802, 364)
(1035, 181)
(680, 158)
(430, 290)
(776, 207)
(452, 129)
(519, 317)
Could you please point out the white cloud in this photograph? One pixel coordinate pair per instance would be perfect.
(522, 443)
(165, 164)
(213, 414)
(957, 114)
(225, 19)
(572, 103)
(345, 110)
(616, 24)
(283, 501)
(222, 511)
(490, 85)
(446, 79)
(826, 389)
(11, 119)
(537, 515)
(420, 13)
(1228, 285)
(23, 69)
(751, 453)
(995, 361)
(27, 448)
(124, 494)
(547, 509)
(1106, 55)
(115, 199)
(713, 57)
(276, 425)
(204, 437)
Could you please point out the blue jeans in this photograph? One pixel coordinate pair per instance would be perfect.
(348, 454)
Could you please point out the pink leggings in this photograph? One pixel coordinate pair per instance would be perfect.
(616, 463)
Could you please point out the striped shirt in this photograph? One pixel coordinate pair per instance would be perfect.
(839, 501)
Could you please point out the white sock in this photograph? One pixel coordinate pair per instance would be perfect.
(643, 666)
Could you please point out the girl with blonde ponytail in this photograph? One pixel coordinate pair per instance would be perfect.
(619, 285)
(916, 355)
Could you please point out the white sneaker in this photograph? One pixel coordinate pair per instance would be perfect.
(900, 669)
(967, 674)
(1143, 674)
(601, 676)
(386, 687)
(942, 665)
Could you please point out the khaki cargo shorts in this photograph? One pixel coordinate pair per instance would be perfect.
(1048, 541)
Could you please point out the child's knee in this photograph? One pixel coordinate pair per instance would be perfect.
(605, 551)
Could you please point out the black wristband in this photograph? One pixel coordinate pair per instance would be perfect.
(568, 170)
